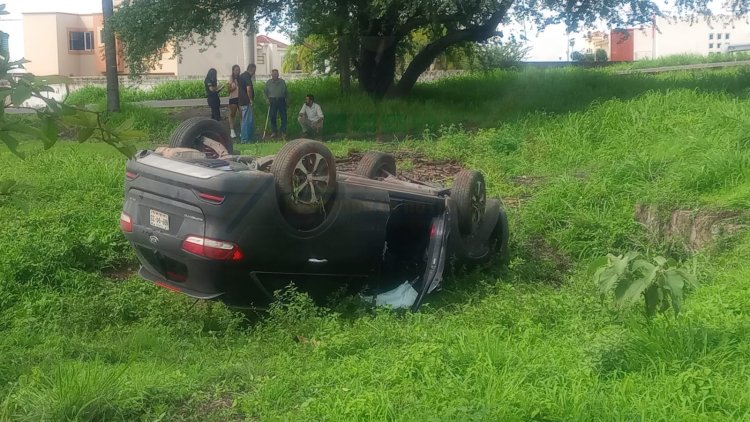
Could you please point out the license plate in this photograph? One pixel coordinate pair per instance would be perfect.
(159, 219)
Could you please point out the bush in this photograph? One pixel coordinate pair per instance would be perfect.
(176, 90)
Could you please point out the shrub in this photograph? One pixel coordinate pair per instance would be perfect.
(660, 281)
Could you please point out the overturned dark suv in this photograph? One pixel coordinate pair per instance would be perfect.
(214, 225)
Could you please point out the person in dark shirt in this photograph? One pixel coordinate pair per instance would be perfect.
(246, 97)
(212, 93)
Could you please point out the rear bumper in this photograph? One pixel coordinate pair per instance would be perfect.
(177, 287)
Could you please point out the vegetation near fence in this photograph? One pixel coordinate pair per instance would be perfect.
(481, 100)
(574, 153)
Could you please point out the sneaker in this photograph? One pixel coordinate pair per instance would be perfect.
(234, 135)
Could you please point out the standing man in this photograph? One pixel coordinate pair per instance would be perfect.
(311, 116)
(246, 97)
(277, 96)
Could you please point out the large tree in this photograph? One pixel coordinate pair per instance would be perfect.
(369, 34)
(110, 59)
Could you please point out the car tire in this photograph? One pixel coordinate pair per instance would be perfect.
(190, 133)
(501, 237)
(470, 195)
(375, 165)
(305, 174)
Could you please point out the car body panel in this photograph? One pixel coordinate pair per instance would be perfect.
(372, 229)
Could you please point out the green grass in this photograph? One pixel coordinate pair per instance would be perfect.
(532, 342)
(683, 59)
(474, 101)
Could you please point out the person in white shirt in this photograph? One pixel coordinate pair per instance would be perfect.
(310, 116)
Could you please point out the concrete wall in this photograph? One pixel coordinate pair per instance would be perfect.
(643, 43)
(41, 53)
(270, 56)
(46, 44)
(621, 45)
(74, 63)
(701, 37)
(228, 52)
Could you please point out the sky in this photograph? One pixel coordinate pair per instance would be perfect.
(549, 45)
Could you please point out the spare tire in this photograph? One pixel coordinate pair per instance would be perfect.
(470, 194)
(190, 134)
(501, 235)
(374, 165)
(305, 175)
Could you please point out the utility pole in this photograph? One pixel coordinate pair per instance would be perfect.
(110, 59)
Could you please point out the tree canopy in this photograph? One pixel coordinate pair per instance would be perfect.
(370, 35)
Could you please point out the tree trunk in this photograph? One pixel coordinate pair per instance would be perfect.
(377, 64)
(344, 45)
(110, 59)
(422, 61)
(345, 74)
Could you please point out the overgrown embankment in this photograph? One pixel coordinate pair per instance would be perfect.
(533, 342)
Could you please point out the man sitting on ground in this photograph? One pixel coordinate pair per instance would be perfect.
(311, 116)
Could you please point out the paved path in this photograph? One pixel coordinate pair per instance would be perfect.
(687, 67)
(195, 102)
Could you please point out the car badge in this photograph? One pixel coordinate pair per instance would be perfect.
(153, 239)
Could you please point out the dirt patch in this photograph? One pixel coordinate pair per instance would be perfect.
(213, 406)
(695, 229)
(556, 263)
(410, 166)
(183, 113)
(122, 271)
(529, 181)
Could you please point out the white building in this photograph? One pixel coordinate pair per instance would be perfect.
(671, 36)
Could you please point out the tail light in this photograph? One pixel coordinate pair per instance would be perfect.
(214, 199)
(433, 230)
(213, 249)
(126, 224)
(130, 175)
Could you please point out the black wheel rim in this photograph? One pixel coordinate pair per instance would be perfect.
(478, 200)
(310, 179)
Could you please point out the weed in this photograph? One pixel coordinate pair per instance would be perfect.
(528, 343)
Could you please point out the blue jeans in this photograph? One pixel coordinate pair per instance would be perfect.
(278, 107)
(246, 128)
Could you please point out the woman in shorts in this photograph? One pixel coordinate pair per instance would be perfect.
(233, 97)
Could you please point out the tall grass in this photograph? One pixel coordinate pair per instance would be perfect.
(683, 59)
(532, 342)
(473, 101)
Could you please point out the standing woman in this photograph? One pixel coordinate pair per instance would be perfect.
(212, 93)
(233, 97)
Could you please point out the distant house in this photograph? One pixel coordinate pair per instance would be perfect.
(270, 54)
(597, 40)
(73, 45)
(671, 36)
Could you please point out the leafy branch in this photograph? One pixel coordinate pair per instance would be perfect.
(660, 281)
(89, 123)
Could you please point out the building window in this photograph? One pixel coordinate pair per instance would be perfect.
(710, 36)
(261, 59)
(101, 36)
(81, 41)
(718, 36)
(718, 45)
(726, 36)
(710, 45)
